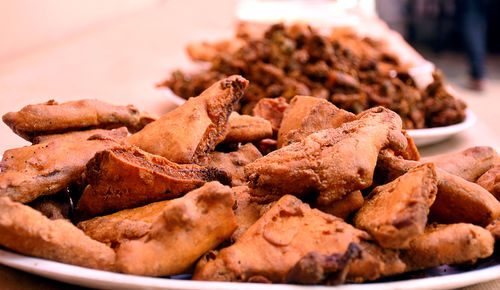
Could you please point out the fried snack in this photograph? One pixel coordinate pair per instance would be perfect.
(127, 224)
(469, 164)
(245, 128)
(490, 180)
(315, 268)
(343, 208)
(51, 118)
(126, 177)
(188, 133)
(188, 227)
(232, 163)
(47, 168)
(494, 229)
(457, 200)
(271, 110)
(83, 135)
(307, 115)
(205, 51)
(246, 212)
(396, 213)
(27, 231)
(276, 242)
(318, 163)
(448, 244)
(57, 206)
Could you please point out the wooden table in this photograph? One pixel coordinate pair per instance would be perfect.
(119, 58)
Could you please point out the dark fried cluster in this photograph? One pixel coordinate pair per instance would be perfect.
(352, 72)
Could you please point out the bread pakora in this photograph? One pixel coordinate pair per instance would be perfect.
(27, 231)
(271, 110)
(52, 117)
(277, 241)
(233, 162)
(344, 207)
(245, 128)
(307, 115)
(246, 211)
(189, 132)
(469, 164)
(457, 200)
(490, 180)
(494, 229)
(396, 213)
(49, 167)
(187, 228)
(127, 224)
(332, 162)
(447, 245)
(126, 177)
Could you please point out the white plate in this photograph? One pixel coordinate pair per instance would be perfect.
(444, 277)
(423, 137)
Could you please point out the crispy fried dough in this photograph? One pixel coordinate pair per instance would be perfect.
(233, 162)
(83, 135)
(396, 213)
(277, 241)
(490, 180)
(128, 224)
(469, 164)
(56, 206)
(126, 177)
(192, 130)
(494, 229)
(188, 227)
(332, 162)
(245, 128)
(457, 200)
(343, 208)
(307, 115)
(271, 110)
(47, 168)
(27, 231)
(448, 244)
(51, 118)
(246, 211)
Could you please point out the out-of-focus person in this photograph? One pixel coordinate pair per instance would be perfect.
(473, 19)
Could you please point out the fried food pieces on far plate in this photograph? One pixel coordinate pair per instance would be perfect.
(188, 133)
(187, 228)
(233, 162)
(307, 115)
(447, 245)
(245, 128)
(127, 224)
(126, 177)
(286, 233)
(457, 200)
(396, 213)
(332, 162)
(27, 231)
(51, 117)
(49, 167)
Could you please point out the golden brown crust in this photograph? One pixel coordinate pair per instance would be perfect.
(233, 163)
(47, 168)
(188, 133)
(246, 212)
(396, 212)
(469, 164)
(344, 207)
(271, 110)
(245, 128)
(187, 228)
(51, 118)
(490, 180)
(126, 177)
(306, 115)
(494, 229)
(128, 224)
(448, 244)
(117, 134)
(27, 231)
(332, 162)
(277, 241)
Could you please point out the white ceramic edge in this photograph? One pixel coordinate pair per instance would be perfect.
(469, 121)
(102, 279)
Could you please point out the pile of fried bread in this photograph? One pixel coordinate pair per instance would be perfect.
(303, 193)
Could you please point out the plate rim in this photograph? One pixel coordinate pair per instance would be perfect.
(77, 275)
(469, 121)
